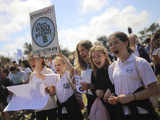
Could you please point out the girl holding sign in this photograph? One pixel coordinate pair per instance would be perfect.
(37, 78)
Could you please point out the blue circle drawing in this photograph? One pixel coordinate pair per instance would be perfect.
(43, 32)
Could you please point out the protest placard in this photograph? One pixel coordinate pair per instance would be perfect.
(44, 32)
(31, 96)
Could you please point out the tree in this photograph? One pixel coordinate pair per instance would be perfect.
(27, 48)
(4, 60)
(153, 28)
(148, 32)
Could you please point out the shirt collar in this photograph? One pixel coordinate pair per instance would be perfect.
(129, 59)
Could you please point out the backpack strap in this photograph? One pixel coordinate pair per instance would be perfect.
(137, 70)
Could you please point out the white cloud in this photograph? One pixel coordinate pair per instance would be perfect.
(12, 47)
(14, 15)
(92, 5)
(14, 18)
(111, 20)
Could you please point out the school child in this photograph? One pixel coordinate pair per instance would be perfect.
(68, 107)
(133, 79)
(37, 78)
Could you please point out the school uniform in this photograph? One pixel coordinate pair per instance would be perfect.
(129, 77)
(68, 107)
(50, 110)
(102, 82)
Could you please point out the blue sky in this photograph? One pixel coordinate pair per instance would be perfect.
(76, 20)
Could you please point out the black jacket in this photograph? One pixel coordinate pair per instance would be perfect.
(101, 80)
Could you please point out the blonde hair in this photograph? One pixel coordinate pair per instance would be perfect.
(104, 51)
(59, 58)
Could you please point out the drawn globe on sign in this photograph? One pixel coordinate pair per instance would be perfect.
(43, 32)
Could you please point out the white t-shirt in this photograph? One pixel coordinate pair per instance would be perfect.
(37, 82)
(125, 77)
(63, 88)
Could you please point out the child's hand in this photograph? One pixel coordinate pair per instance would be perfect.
(107, 95)
(113, 100)
(10, 93)
(51, 90)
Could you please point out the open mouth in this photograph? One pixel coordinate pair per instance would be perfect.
(57, 70)
(33, 66)
(98, 63)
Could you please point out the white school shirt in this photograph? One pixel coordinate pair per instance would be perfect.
(37, 81)
(63, 88)
(86, 77)
(125, 77)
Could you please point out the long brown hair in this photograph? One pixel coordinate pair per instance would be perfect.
(80, 63)
(103, 50)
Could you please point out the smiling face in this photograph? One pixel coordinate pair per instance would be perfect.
(98, 58)
(83, 52)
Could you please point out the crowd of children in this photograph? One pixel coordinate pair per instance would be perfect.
(124, 85)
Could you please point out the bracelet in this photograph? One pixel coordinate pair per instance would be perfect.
(134, 95)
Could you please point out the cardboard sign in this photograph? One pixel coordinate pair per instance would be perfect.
(44, 32)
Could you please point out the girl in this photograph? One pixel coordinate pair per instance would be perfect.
(100, 81)
(133, 79)
(82, 58)
(37, 77)
(99, 63)
(69, 108)
(83, 66)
